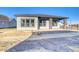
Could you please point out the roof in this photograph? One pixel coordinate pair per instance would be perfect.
(40, 15)
(3, 17)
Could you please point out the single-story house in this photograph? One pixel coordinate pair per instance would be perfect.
(39, 21)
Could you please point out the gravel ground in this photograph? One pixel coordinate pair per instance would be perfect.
(57, 41)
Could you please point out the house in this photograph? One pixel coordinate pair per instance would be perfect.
(4, 21)
(12, 23)
(37, 22)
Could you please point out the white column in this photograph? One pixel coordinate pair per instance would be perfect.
(65, 23)
(18, 20)
(36, 24)
(50, 23)
(47, 24)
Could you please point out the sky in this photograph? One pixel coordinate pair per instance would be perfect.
(71, 12)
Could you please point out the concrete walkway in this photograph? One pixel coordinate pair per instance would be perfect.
(57, 41)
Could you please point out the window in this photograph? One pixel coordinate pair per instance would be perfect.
(27, 22)
(54, 23)
(32, 22)
(22, 22)
(42, 22)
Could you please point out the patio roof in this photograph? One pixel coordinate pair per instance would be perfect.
(40, 15)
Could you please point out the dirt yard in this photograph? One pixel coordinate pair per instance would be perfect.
(11, 37)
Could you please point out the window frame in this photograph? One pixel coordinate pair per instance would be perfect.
(42, 23)
(32, 24)
(22, 24)
(28, 23)
(54, 22)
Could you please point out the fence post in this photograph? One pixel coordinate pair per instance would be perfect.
(77, 27)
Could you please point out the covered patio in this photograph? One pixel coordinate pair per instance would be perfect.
(51, 23)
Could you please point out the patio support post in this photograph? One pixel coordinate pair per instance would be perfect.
(65, 24)
(50, 23)
(37, 26)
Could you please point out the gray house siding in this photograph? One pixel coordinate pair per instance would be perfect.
(7, 24)
(12, 23)
(4, 23)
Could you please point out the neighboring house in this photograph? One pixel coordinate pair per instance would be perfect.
(4, 21)
(39, 21)
(12, 23)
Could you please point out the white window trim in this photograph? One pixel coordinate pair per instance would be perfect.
(30, 23)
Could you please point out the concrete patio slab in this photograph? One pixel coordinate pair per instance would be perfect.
(49, 42)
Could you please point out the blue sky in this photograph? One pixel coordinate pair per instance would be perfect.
(71, 12)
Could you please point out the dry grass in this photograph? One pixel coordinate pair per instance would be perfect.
(10, 37)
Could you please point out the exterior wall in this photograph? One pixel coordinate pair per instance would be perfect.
(4, 23)
(55, 27)
(45, 27)
(12, 24)
(48, 25)
(26, 28)
(36, 27)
